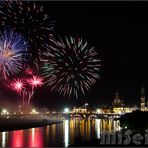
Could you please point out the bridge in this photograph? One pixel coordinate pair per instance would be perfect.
(62, 115)
(91, 116)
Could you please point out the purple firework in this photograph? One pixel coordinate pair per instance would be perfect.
(13, 51)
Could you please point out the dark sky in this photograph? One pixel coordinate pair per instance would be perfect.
(119, 31)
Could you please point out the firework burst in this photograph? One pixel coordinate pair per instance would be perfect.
(30, 19)
(25, 86)
(71, 66)
(18, 85)
(35, 81)
(13, 51)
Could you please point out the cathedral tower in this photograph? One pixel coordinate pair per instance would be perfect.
(142, 99)
(117, 101)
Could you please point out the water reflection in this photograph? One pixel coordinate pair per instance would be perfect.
(53, 133)
(109, 125)
(3, 139)
(17, 138)
(117, 127)
(97, 127)
(33, 133)
(35, 138)
(67, 133)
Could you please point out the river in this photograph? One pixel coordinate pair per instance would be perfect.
(63, 134)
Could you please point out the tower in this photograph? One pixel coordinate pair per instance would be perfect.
(19, 109)
(117, 101)
(118, 106)
(142, 99)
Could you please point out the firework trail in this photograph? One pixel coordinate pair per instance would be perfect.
(34, 82)
(25, 86)
(70, 66)
(13, 51)
(30, 19)
(18, 86)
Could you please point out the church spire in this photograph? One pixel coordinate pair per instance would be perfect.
(142, 103)
(116, 94)
(142, 91)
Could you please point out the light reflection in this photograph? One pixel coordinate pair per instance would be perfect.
(72, 131)
(89, 129)
(35, 137)
(110, 125)
(97, 127)
(66, 133)
(118, 128)
(33, 133)
(58, 134)
(86, 129)
(3, 139)
(82, 129)
(47, 134)
(53, 131)
(17, 139)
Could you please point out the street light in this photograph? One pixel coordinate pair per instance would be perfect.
(34, 111)
(66, 110)
(125, 127)
(99, 111)
(4, 112)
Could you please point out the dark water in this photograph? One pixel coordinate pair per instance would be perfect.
(63, 134)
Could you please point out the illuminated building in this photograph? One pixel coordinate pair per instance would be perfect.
(81, 110)
(119, 107)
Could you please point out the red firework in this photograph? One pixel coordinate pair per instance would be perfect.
(36, 81)
(29, 71)
(18, 85)
(26, 85)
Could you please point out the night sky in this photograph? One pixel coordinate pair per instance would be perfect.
(119, 31)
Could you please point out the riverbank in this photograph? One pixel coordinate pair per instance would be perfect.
(17, 124)
(137, 120)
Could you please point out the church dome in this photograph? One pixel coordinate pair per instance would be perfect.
(117, 101)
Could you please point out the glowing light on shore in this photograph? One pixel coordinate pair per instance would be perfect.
(34, 111)
(99, 111)
(4, 112)
(66, 110)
